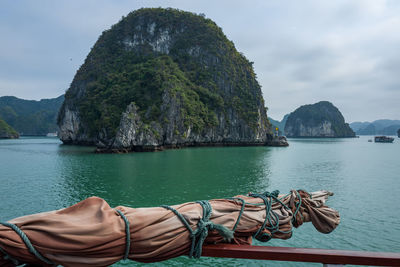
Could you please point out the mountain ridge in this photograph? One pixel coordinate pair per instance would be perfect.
(381, 126)
(30, 117)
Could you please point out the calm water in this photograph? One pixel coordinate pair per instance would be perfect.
(40, 174)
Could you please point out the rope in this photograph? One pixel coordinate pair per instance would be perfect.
(186, 224)
(240, 212)
(27, 242)
(204, 224)
(271, 217)
(304, 191)
(298, 205)
(264, 237)
(127, 233)
(8, 257)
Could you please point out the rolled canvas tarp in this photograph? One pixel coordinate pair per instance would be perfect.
(91, 233)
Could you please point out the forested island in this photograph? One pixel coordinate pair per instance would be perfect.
(321, 119)
(30, 117)
(164, 78)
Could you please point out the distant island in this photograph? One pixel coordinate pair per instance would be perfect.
(164, 78)
(321, 119)
(6, 131)
(279, 124)
(30, 117)
(378, 127)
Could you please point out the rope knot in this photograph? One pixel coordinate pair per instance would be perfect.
(203, 226)
(273, 194)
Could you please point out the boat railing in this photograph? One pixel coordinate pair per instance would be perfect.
(328, 257)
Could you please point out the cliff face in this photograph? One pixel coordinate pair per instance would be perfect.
(6, 131)
(163, 78)
(318, 120)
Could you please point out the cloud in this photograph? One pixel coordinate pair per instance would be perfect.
(344, 51)
(21, 88)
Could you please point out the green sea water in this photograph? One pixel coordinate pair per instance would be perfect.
(41, 174)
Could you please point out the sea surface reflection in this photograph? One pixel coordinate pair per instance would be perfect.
(40, 174)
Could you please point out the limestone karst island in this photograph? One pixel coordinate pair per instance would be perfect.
(321, 119)
(164, 78)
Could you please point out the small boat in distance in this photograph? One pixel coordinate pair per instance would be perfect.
(52, 134)
(383, 139)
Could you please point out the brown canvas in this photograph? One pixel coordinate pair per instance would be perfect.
(91, 233)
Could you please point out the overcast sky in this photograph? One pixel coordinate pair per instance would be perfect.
(346, 52)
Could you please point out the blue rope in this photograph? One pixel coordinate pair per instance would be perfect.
(298, 205)
(240, 212)
(27, 242)
(186, 224)
(128, 235)
(8, 257)
(203, 226)
(271, 217)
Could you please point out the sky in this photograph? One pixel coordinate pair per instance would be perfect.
(343, 51)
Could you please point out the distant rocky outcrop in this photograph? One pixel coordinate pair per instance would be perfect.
(279, 124)
(30, 117)
(278, 141)
(322, 119)
(164, 78)
(378, 127)
(6, 131)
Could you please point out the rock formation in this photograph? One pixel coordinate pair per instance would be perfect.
(278, 141)
(164, 78)
(321, 119)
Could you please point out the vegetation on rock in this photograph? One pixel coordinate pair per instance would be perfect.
(321, 119)
(6, 131)
(30, 117)
(153, 52)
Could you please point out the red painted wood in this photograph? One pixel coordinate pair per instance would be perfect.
(328, 256)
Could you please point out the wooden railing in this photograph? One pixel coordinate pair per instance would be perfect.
(325, 256)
